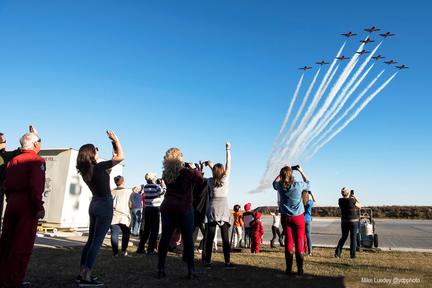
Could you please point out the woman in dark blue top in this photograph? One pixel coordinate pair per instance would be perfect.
(96, 176)
(308, 203)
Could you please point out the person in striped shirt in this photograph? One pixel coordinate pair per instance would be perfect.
(153, 196)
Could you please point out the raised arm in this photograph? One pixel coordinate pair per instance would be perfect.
(228, 158)
(300, 170)
(117, 149)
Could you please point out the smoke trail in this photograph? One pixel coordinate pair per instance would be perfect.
(286, 118)
(336, 87)
(362, 106)
(303, 103)
(340, 118)
(318, 94)
(341, 99)
(345, 96)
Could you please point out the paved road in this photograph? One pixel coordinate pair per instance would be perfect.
(393, 234)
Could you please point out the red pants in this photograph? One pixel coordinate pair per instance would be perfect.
(17, 240)
(255, 244)
(293, 226)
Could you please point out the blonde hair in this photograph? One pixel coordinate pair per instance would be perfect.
(287, 177)
(172, 164)
(305, 197)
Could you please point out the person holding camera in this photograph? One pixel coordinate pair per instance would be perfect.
(348, 205)
(176, 209)
(96, 175)
(153, 196)
(218, 212)
(292, 218)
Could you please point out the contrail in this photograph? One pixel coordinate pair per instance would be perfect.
(336, 87)
(362, 106)
(286, 118)
(303, 103)
(318, 94)
(340, 100)
(340, 118)
(345, 96)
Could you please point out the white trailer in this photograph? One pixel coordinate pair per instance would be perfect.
(66, 196)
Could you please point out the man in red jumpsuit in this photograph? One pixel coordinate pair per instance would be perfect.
(25, 183)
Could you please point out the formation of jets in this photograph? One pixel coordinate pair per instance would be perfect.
(365, 41)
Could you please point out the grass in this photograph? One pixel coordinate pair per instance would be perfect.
(58, 268)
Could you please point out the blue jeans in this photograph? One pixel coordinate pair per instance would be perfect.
(308, 227)
(171, 221)
(348, 227)
(115, 232)
(101, 213)
(136, 220)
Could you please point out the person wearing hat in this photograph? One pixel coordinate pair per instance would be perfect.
(349, 216)
(257, 232)
(248, 217)
(153, 196)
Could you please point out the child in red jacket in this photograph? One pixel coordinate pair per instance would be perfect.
(257, 231)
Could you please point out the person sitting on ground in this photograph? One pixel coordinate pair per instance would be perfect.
(153, 196)
(248, 217)
(275, 229)
(348, 205)
(237, 229)
(308, 203)
(257, 232)
(121, 217)
(292, 218)
(218, 213)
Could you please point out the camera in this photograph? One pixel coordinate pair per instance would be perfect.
(295, 167)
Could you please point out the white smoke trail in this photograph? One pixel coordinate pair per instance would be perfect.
(356, 100)
(300, 110)
(362, 106)
(287, 115)
(318, 94)
(336, 87)
(340, 100)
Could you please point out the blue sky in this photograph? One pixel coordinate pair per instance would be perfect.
(193, 74)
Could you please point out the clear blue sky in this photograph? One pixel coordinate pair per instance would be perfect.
(194, 74)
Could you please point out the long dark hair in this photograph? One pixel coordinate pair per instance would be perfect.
(218, 172)
(85, 161)
(287, 177)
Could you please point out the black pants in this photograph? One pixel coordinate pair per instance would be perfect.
(348, 227)
(210, 235)
(199, 227)
(151, 229)
(247, 237)
(276, 232)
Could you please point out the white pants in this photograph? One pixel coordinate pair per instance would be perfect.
(237, 236)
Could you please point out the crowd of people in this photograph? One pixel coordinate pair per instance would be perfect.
(182, 201)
